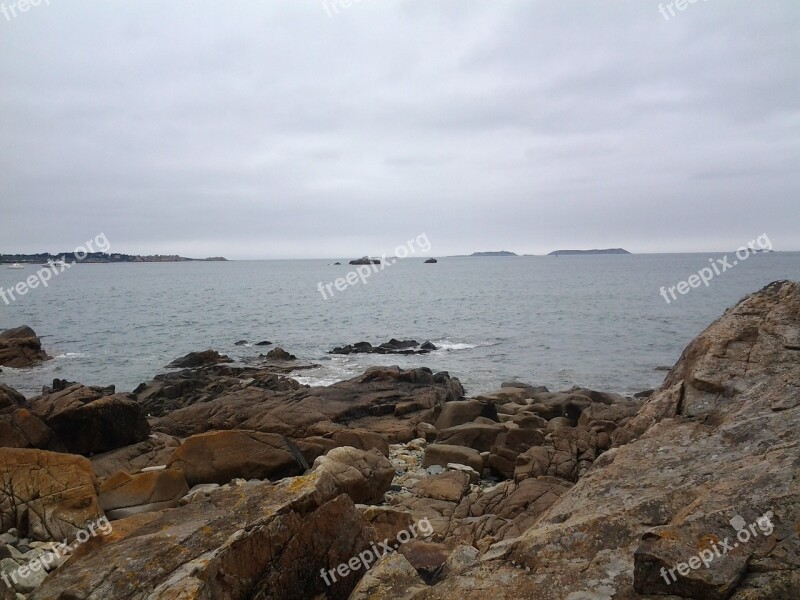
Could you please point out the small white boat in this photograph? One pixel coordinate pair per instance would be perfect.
(16, 266)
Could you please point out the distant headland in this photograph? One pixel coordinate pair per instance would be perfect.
(603, 251)
(100, 257)
(500, 253)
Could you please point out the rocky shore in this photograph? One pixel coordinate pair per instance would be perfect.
(238, 482)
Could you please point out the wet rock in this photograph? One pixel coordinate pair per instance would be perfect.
(280, 354)
(194, 360)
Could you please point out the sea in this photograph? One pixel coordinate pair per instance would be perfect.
(599, 321)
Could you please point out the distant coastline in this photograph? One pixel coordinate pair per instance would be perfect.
(577, 252)
(101, 257)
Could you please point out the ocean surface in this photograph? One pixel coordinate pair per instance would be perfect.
(597, 321)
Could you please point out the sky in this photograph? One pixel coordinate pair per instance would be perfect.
(257, 129)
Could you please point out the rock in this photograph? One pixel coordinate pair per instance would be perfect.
(123, 495)
(194, 360)
(428, 345)
(264, 343)
(269, 542)
(431, 261)
(153, 452)
(464, 411)
(473, 475)
(442, 454)
(529, 389)
(241, 343)
(220, 456)
(281, 405)
(426, 557)
(366, 261)
(86, 420)
(450, 486)
(509, 445)
(480, 437)
(427, 431)
(280, 354)
(23, 585)
(385, 522)
(19, 428)
(46, 495)
(361, 439)
(715, 445)
(364, 475)
(393, 346)
(391, 577)
(21, 348)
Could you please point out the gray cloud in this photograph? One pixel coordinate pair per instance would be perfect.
(267, 129)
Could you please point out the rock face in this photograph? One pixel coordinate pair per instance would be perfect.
(713, 451)
(20, 348)
(265, 541)
(46, 495)
(88, 420)
(123, 495)
(220, 456)
(385, 400)
(363, 475)
(21, 429)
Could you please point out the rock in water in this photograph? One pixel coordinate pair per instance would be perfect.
(21, 348)
(194, 360)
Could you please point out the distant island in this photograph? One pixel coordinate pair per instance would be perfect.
(574, 252)
(100, 257)
(500, 253)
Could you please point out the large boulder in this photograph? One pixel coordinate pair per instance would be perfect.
(20, 348)
(365, 475)
(265, 541)
(464, 411)
(220, 456)
(713, 452)
(46, 495)
(155, 451)
(19, 428)
(478, 436)
(123, 495)
(194, 360)
(88, 420)
(443, 454)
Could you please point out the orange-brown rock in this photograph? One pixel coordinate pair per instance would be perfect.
(46, 495)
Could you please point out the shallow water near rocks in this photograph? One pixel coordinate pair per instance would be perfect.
(597, 321)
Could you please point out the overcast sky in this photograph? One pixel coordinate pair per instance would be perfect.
(269, 129)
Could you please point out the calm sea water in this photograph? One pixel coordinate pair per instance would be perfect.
(597, 321)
